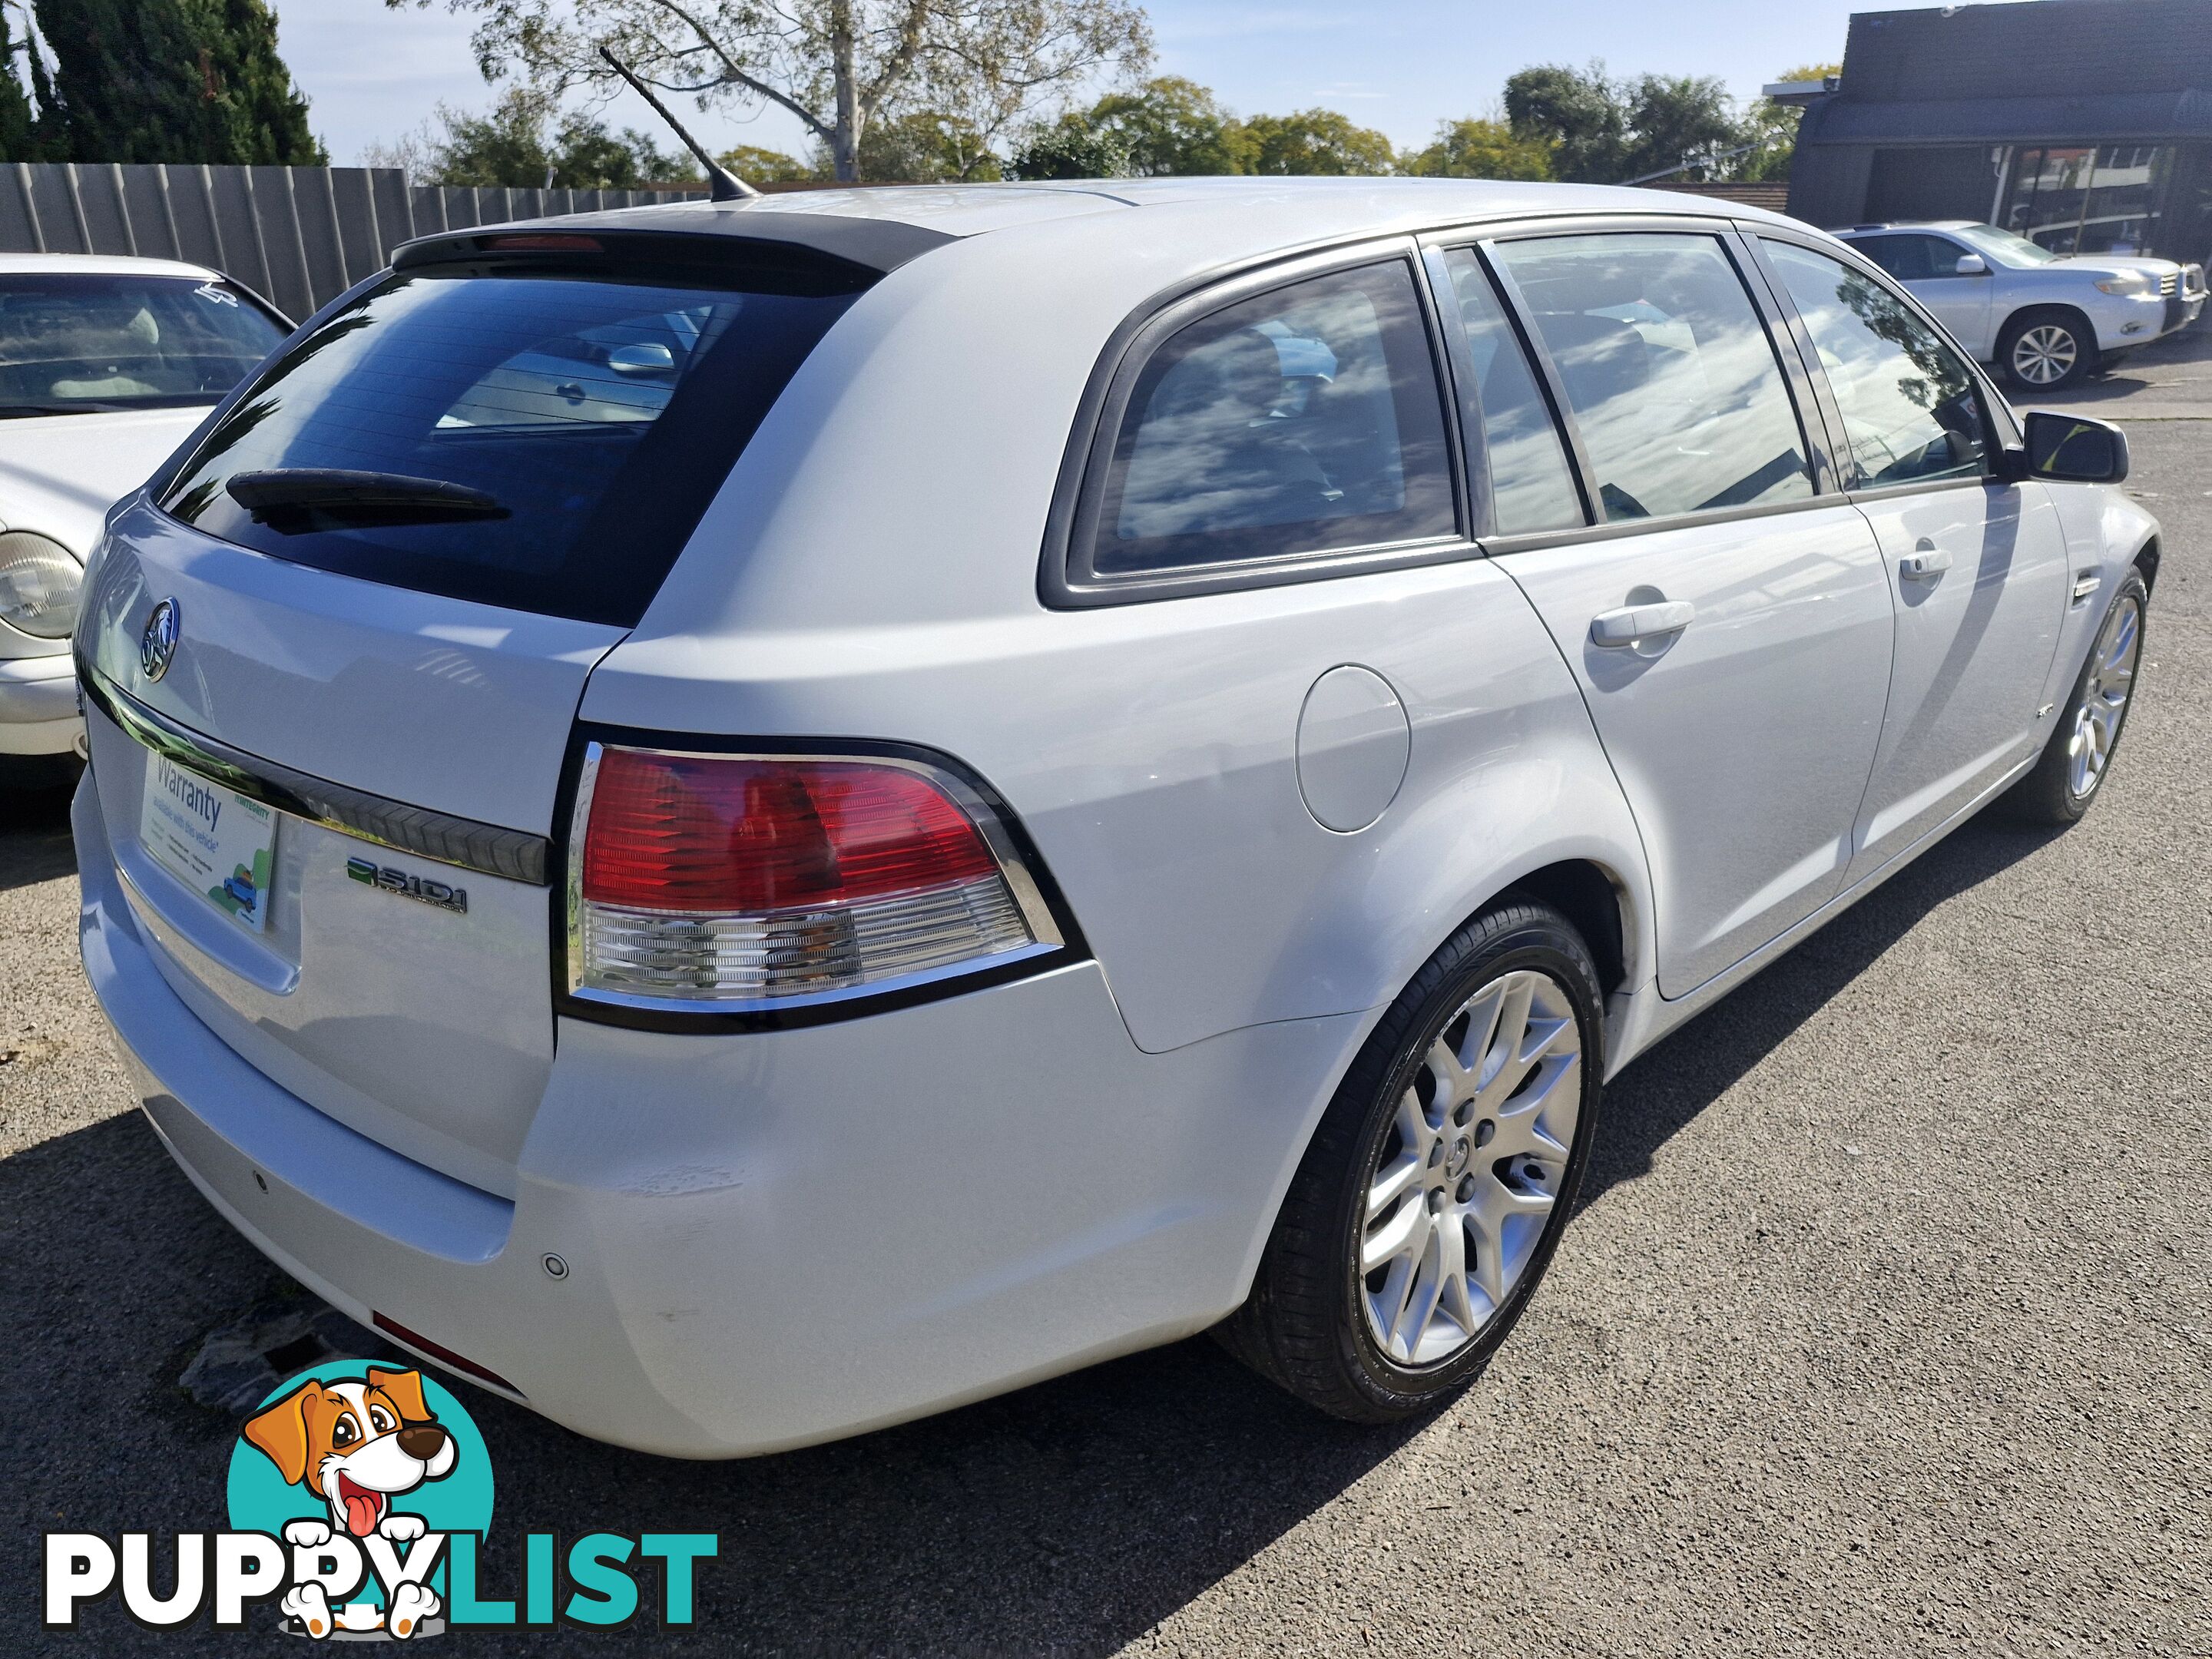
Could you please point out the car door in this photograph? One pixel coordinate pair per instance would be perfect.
(1979, 563)
(1928, 265)
(1728, 624)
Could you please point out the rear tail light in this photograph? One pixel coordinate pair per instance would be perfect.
(743, 883)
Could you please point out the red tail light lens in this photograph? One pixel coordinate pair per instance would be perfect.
(749, 880)
(674, 832)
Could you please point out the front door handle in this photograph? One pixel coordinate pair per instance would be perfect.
(1632, 624)
(1924, 563)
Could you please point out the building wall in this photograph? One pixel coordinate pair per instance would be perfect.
(2042, 48)
(1828, 183)
(1934, 103)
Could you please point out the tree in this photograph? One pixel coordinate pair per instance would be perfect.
(1577, 113)
(523, 140)
(174, 81)
(1070, 147)
(924, 148)
(756, 165)
(1317, 141)
(1171, 127)
(1479, 148)
(1773, 127)
(586, 155)
(1603, 131)
(1676, 119)
(835, 64)
(19, 121)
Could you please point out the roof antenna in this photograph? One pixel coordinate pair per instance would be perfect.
(722, 185)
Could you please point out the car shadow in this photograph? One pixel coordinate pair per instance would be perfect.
(34, 836)
(1069, 1518)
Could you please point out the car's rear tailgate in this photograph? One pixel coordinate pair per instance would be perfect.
(427, 1025)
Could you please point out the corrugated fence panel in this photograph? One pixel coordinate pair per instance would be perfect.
(146, 211)
(199, 229)
(300, 235)
(238, 227)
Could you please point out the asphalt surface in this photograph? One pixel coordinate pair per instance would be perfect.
(1885, 1326)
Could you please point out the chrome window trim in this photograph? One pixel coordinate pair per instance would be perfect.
(486, 849)
(1500, 547)
(1046, 938)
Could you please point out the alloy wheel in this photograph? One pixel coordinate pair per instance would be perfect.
(2045, 355)
(2104, 693)
(1464, 1182)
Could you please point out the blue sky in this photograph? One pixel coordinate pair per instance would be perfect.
(1400, 65)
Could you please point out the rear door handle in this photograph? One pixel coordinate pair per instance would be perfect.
(1632, 624)
(1924, 563)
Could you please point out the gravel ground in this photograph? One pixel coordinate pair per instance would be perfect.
(1884, 1327)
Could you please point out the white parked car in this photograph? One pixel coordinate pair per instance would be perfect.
(1099, 762)
(105, 365)
(2045, 320)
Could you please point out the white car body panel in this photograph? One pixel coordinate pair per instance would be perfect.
(1741, 797)
(1060, 1167)
(1974, 648)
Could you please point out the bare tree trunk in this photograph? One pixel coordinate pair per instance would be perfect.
(845, 142)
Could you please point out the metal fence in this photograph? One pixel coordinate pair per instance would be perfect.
(299, 235)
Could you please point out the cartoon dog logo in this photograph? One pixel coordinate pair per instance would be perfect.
(357, 1446)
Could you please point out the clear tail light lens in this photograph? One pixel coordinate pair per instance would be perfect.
(747, 882)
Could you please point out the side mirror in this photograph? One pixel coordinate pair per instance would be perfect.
(2073, 449)
(1973, 264)
(648, 358)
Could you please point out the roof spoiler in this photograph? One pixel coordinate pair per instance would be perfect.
(699, 234)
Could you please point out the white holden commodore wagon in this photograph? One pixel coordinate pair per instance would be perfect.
(746, 821)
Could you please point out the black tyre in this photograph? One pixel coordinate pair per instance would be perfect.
(2047, 349)
(2078, 756)
(1436, 1187)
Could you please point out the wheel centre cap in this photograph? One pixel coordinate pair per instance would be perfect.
(1455, 1165)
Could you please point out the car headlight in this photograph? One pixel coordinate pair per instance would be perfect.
(2132, 282)
(38, 585)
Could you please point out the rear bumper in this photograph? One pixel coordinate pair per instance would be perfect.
(38, 706)
(769, 1239)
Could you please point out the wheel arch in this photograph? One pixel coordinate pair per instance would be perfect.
(2145, 560)
(1591, 887)
(1593, 898)
(2022, 317)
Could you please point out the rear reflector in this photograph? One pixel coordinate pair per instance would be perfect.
(746, 882)
(444, 1355)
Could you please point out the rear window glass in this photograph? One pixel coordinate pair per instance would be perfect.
(545, 442)
(1302, 421)
(79, 343)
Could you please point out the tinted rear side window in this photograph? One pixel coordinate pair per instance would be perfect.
(1912, 258)
(593, 419)
(1304, 420)
(1520, 467)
